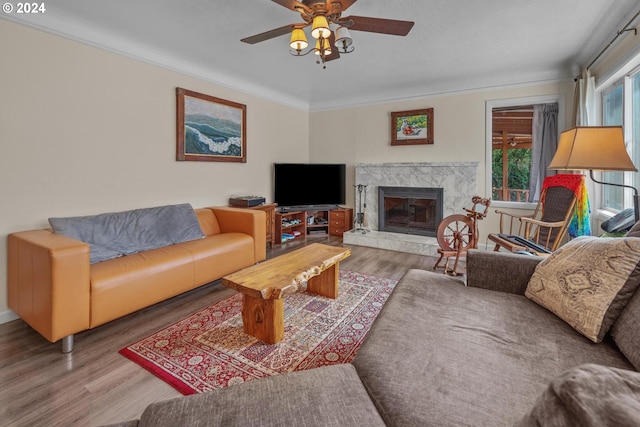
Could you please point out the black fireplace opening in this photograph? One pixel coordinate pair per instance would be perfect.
(410, 210)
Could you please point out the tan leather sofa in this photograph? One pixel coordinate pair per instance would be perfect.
(53, 287)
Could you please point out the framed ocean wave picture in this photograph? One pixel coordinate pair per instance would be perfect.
(210, 129)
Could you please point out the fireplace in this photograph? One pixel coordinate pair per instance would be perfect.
(458, 181)
(410, 210)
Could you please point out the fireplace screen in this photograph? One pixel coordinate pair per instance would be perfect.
(410, 210)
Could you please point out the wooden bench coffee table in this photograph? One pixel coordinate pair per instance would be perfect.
(265, 285)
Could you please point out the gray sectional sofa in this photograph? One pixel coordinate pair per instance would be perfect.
(444, 354)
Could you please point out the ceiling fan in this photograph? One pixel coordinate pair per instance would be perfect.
(320, 14)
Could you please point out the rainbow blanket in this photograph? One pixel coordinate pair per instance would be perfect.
(580, 224)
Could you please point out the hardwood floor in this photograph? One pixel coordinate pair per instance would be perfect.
(94, 385)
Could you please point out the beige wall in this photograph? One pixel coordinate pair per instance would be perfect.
(362, 134)
(84, 131)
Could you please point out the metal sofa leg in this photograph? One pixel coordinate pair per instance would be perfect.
(67, 344)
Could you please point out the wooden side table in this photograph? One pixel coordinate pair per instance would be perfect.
(270, 210)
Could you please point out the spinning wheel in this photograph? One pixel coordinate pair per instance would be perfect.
(455, 233)
(459, 233)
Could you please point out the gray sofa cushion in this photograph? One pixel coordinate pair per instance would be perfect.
(588, 396)
(500, 271)
(444, 354)
(327, 396)
(634, 231)
(111, 235)
(626, 331)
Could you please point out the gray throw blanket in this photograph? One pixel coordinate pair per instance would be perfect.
(117, 234)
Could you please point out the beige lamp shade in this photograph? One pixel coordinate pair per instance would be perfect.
(592, 148)
(298, 39)
(320, 27)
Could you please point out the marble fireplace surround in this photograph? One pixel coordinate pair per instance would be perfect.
(459, 180)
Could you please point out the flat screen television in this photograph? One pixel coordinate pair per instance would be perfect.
(309, 184)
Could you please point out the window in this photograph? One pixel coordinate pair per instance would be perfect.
(612, 116)
(621, 106)
(509, 145)
(511, 153)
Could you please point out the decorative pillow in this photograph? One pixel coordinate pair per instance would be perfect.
(588, 282)
(122, 233)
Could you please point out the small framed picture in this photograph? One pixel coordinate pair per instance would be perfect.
(210, 129)
(412, 127)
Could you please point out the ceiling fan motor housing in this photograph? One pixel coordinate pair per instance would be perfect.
(312, 8)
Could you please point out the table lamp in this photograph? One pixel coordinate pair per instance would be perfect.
(598, 148)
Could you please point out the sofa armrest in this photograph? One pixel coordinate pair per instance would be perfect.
(248, 221)
(500, 271)
(49, 282)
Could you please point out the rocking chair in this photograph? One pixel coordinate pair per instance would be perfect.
(544, 231)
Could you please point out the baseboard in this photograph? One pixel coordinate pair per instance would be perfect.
(8, 316)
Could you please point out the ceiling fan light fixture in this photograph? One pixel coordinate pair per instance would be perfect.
(344, 41)
(320, 27)
(298, 39)
(325, 45)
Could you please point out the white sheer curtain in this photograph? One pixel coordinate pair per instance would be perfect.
(584, 113)
(544, 145)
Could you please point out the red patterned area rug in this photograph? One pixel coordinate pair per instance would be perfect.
(209, 349)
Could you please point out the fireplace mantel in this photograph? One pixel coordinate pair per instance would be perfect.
(459, 180)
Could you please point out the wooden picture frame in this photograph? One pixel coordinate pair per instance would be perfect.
(413, 127)
(210, 129)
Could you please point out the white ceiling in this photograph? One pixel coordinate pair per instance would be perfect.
(455, 45)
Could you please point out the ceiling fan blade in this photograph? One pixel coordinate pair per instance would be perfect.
(379, 25)
(334, 55)
(340, 5)
(276, 32)
(334, 50)
(293, 5)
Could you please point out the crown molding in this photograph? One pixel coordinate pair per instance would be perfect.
(146, 55)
